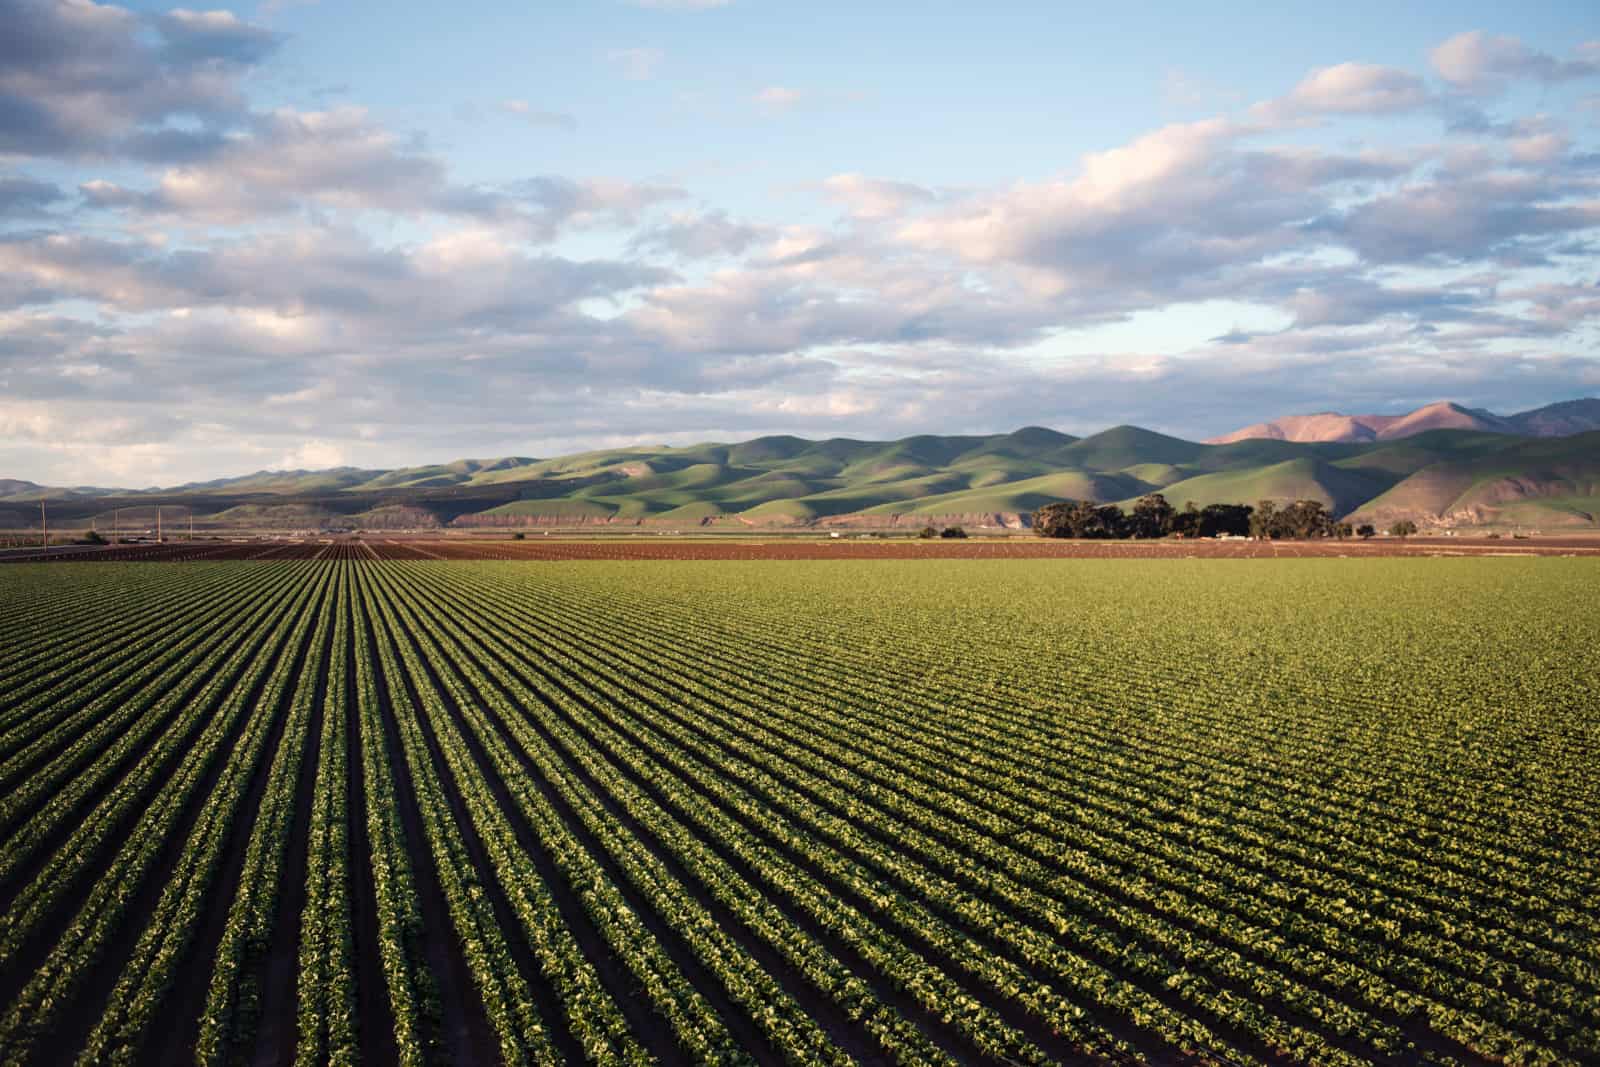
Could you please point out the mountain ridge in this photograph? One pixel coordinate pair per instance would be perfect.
(1553, 420)
(1435, 476)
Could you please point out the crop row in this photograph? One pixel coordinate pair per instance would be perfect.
(351, 810)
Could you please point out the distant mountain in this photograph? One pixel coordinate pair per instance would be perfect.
(1559, 420)
(1543, 482)
(1440, 465)
(1555, 420)
(459, 472)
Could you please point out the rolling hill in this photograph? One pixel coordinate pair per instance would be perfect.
(1546, 482)
(1440, 476)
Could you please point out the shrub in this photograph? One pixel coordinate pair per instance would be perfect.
(952, 532)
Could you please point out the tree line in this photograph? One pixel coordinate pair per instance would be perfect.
(1153, 516)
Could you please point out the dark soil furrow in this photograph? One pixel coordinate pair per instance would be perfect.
(846, 1033)
(464, 1034)
(90, 1000)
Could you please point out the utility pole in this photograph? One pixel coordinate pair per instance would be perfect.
(44, 524)
(158, 524)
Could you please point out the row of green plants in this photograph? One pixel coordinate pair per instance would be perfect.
(806, 808)
(71, 753)
(765, 1001)
(27, 1030)
(98, 642)
(957, 820)
(712, 658)
(191, 882)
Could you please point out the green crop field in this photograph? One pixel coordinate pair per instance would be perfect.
(918, 812)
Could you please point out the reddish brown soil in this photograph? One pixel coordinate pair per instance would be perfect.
(673, 548)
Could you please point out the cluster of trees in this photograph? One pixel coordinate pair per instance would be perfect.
(927, 533)
(1300, 521)
(1152, 516)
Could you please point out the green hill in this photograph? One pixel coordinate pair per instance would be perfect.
(1541, 481)
(1305, 478)
(1128, 446)
(1014, 498)
(1442, 476)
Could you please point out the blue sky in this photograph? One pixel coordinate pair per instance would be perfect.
(309, 234)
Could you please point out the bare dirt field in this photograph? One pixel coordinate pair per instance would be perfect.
(672, 548)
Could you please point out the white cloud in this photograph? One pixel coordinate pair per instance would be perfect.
(1351, 89)
(875, 198)
(1482, 62)
(78, 79)
(313, 455)
(243, 308)
(692, 235)
(341, 159)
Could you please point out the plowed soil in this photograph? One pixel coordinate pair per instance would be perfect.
(672, 548)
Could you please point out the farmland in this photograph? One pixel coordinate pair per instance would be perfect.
(896, 810)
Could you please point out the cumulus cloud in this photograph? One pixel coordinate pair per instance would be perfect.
(465, 276)
(312, 455)
(691, 235)
(212, 37)
(78, 78)
(1350, 89)
(22, 197)
(341, 159)
(244, 307)
(1512, 218)
(1362, 301)
(1483, 62)
(553, 202)
(287, 159)
(875, 198)
(1188, 212)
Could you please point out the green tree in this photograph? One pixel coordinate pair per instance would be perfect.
(927, 533)
(1365, 530)
(953, 533)
(1304, 519)
(1187, 523)
(1051, 520)
(1230, 519)
(1264, 523)
(1402, 528)
(1151, 517)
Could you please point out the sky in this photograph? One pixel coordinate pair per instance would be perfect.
(311, 234)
